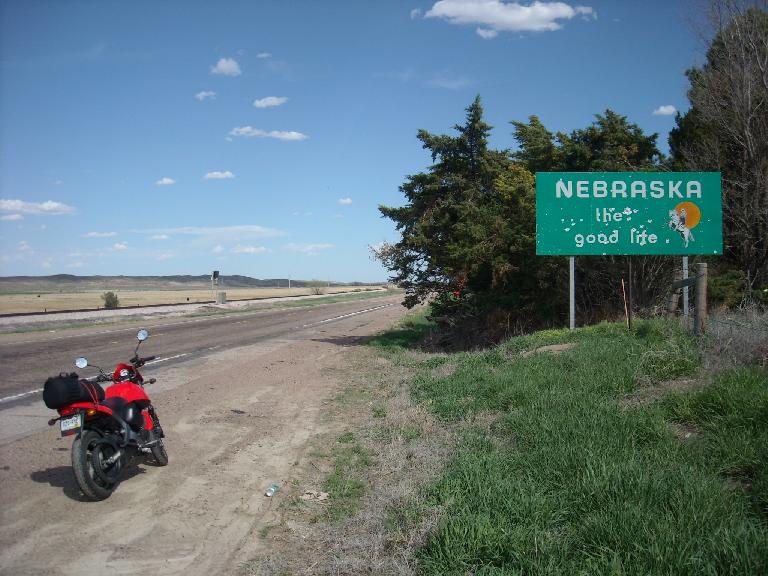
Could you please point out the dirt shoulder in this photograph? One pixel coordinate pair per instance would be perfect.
(236, 421)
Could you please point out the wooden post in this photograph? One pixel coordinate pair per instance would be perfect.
(700, 309)
(626, 308)
(674, 297)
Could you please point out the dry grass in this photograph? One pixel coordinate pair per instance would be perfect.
(737, 337)
(407, 448)
(15, 303)
(648, 393)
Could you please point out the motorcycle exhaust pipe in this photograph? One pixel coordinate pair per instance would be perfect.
(114, 458)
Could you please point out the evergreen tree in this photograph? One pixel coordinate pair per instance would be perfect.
(610, 144)
(468, 228)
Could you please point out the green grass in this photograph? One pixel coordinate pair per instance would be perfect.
(408, 332)
(567, 480)
(346, 483)
(732, 415)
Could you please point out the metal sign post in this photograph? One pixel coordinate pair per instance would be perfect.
(629, 311)
(685, 290)
(572, 291)
(214, 282)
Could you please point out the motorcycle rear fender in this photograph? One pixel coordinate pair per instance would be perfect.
(78, 406)
(126, 434)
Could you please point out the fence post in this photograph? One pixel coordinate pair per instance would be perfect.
(700, 309)
(674, 296)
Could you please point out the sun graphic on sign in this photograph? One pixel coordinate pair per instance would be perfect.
(692, 213)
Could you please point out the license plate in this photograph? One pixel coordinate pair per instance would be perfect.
(71, 425)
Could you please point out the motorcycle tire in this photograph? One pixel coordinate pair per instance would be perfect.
(96, 481)
(159, 453)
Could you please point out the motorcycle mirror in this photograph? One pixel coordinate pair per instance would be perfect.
(81, 362)
(142, 335)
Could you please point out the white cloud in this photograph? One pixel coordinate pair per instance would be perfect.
(48, 207)
(307, 249)
(218, 249)
(270, 101)
(100, 234)
(344, 200)
(11, 217)
(159, 237)
(205, 95)
(165, 181)
(24, 246)
(119, 246)
(263, 55)
(415, 13)
(164, 256)
(447, 82)
(226, 67)
(216, 175)
(405, 75)
(47, 263)
(241, 231)
(486, 33)
(76, 265)
(249, 132)
(666, 110)
(249, 249)
(498, 16)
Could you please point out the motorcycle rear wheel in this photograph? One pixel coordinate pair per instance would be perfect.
(96, 480)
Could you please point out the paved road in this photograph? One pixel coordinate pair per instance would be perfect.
(27, 360)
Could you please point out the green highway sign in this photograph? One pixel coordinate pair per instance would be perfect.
(623, 213)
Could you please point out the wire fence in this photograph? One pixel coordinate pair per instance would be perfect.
(737, 337)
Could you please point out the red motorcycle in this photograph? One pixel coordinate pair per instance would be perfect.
(112, 427)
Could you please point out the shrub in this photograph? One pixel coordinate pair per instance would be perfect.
(727, 289)
(111, 300)
(316, 287)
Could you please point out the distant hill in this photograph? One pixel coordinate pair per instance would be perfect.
(72, 283)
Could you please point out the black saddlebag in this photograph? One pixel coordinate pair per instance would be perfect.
(64, 389)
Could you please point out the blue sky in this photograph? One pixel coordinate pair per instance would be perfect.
(258, 138)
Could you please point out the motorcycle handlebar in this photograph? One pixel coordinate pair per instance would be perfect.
(139, 362)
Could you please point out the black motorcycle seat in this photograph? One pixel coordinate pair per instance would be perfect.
(128, 411)
(115, 403)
